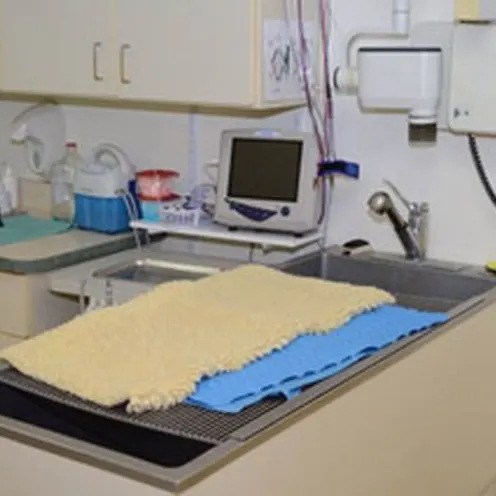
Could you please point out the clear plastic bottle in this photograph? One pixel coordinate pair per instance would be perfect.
(62, 176)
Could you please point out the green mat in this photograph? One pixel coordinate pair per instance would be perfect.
(21, 228)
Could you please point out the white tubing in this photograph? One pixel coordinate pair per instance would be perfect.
(345, 78)
(401, 16)
(128, 202)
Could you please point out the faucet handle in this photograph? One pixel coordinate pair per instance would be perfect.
(408, 204)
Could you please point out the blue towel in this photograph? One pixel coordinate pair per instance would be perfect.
(22, 228)
(311, 358)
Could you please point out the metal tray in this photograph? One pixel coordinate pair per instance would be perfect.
(181, 420)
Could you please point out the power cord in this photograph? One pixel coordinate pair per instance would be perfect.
(479, 166)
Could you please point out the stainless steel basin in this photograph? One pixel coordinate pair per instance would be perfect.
(151, 271)
(428, 285)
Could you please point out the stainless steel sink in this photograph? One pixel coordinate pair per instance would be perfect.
(138, 274)
(428, 285)
(151, 271)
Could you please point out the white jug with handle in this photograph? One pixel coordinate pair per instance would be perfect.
(107, 174)
(118, 156)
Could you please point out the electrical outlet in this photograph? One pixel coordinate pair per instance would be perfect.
(282, 68)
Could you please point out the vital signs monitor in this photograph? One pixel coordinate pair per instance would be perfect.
(267, 181)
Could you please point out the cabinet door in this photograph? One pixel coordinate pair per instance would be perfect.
(189, 51)
(57, 47)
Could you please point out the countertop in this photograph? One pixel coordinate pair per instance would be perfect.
(62, 250)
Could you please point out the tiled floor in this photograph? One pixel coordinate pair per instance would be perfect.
(7, 340)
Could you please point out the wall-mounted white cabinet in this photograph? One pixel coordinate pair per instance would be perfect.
(195, 52)
(55, 47)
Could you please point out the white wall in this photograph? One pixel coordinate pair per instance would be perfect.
(462, 218)
(463, 222)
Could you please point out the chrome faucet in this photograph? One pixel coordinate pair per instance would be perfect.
(412, 233)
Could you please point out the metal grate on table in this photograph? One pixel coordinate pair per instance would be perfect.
(180, 420)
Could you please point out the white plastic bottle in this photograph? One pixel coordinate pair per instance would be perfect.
(62, 176)
(5, 202)
(12, 186)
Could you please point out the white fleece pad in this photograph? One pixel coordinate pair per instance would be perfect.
(152, 351)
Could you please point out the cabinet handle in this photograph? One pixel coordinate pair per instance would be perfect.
(124, 49)
(96, 49)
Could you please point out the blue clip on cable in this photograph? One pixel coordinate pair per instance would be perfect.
(330, 167)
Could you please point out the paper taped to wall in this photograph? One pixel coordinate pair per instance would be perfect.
(282, 58)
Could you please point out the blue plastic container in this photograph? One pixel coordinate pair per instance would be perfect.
(105, 215)
(150, 211)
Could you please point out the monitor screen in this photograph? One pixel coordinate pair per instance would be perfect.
(265, 169)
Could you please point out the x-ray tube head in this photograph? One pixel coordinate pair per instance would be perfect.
(402, 79)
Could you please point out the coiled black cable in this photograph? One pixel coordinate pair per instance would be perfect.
(479, 166)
